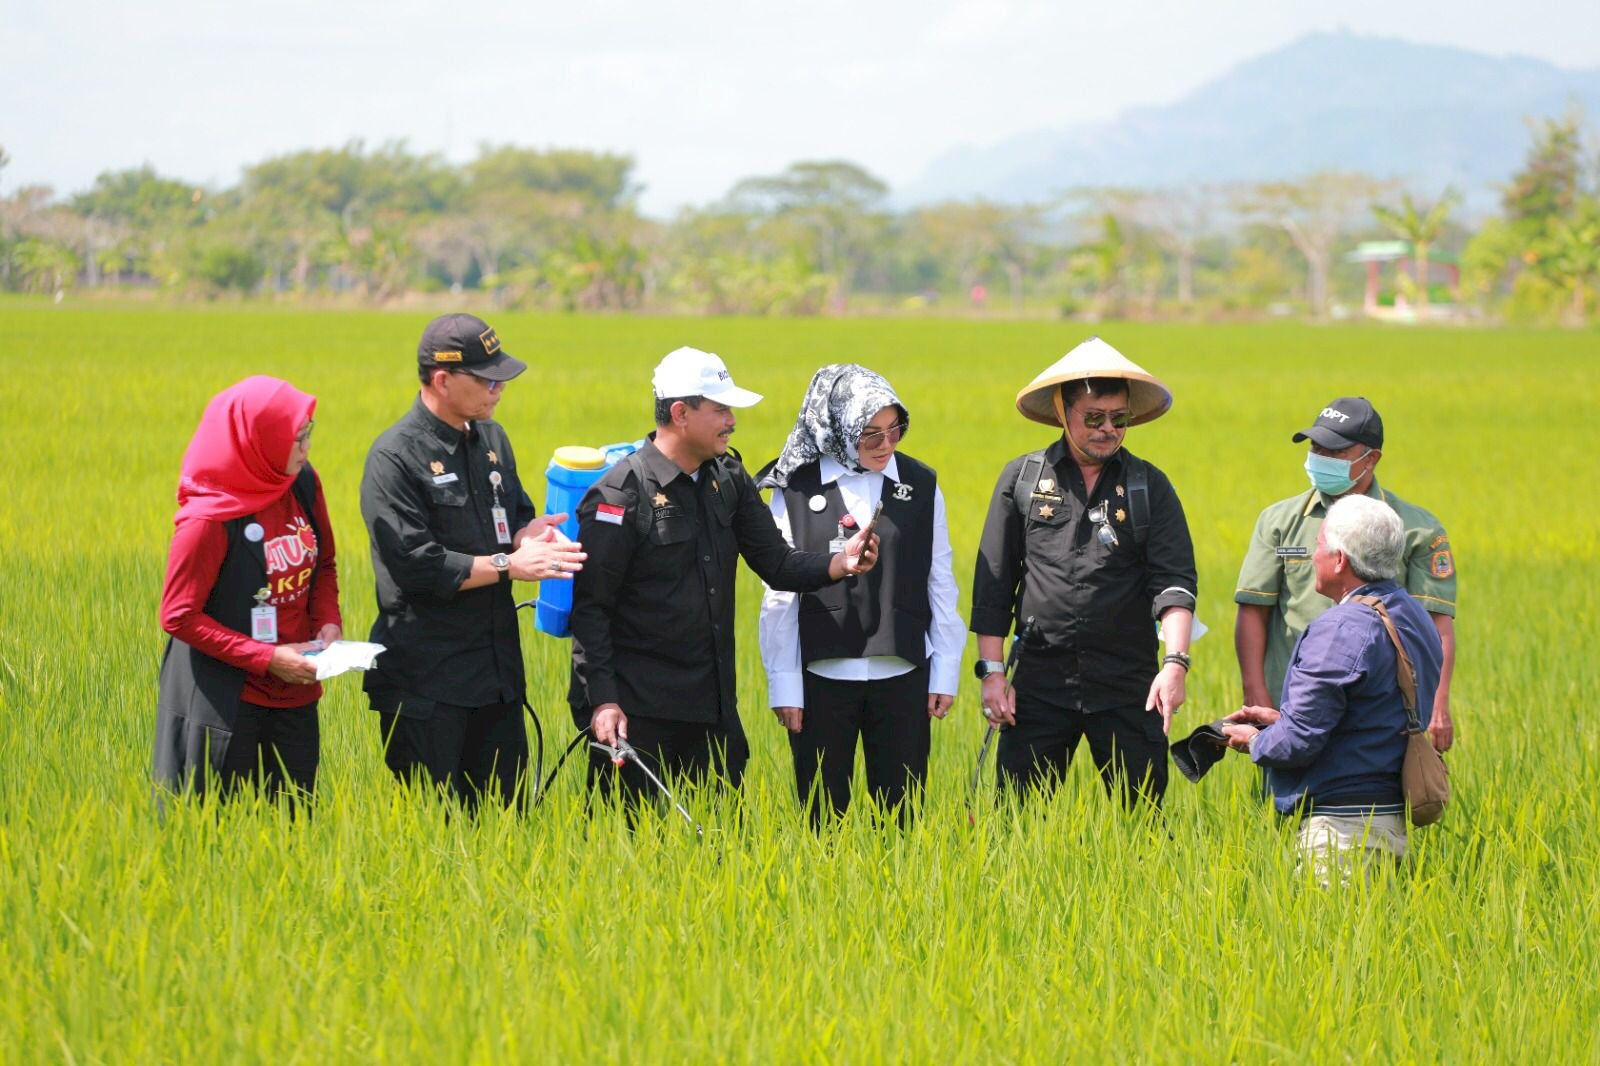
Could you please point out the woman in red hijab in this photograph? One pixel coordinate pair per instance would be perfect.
(251, 586)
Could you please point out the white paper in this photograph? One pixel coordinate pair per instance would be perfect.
(342, 656)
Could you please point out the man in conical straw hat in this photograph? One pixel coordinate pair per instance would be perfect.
(1089, 541)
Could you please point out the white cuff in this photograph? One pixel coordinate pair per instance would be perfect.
(786, 690)
(944, 675)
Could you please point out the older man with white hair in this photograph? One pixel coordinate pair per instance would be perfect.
(1334, 749)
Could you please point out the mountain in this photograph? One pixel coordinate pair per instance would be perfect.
(1429, 115)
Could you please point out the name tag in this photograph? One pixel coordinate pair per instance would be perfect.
(502, 528)
(836, 545)
(445, 479)
(1293, 552)
(264, 624)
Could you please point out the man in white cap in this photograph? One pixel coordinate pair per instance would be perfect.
(1090, 542)
(653, 609)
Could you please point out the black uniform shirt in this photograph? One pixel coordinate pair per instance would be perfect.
(1095, 643)
(652, 611)
(426, 496)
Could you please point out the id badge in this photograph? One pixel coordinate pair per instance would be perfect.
(264, 624)
(836, 545)
(502, 527)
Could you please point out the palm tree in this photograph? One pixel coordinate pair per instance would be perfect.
(1419, 224)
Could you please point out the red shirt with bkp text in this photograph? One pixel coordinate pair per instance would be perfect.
(294, 553)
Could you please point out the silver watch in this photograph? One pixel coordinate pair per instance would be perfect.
(500, 561)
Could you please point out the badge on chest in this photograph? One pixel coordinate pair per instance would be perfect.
(264, 619)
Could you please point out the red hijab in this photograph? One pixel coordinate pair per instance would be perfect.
(234, 464)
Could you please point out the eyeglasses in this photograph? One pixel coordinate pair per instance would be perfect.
(872, 438)
(492, 386)
(1103, 530)
(303, 438)
(1096, 419)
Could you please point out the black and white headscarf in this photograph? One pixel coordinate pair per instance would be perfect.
(840, 401)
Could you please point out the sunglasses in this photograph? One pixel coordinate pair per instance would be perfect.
(872, 438)
(1103, 531)
(1096, 419)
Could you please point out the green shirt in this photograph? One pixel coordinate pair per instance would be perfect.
(1277, 570)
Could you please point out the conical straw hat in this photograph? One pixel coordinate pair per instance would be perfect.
(1148, 398)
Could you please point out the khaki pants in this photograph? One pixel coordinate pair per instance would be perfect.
(1345, 846)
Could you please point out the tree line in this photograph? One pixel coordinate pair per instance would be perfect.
(561, 229)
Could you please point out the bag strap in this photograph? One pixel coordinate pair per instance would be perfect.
(1406, 672)
(1027, 481)
(1138, 485)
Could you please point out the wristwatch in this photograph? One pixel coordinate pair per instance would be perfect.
(501, 562)
(984, 667)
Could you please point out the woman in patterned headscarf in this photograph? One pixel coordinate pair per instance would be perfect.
(877, 656)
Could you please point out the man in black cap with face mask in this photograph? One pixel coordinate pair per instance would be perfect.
(451, 527)
(1277, 594)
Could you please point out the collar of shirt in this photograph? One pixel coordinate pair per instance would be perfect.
(448, 435)
(1371, 588)
(1315, 498)
(1057, 457)
(664, 470)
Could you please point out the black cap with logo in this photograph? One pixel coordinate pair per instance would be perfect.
(1346, 421)
(466, 342)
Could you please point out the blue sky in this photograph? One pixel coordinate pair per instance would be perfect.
(701, 93)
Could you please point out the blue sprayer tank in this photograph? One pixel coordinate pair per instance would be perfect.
(571, 471)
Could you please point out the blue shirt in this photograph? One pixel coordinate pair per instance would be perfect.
(1340, 739)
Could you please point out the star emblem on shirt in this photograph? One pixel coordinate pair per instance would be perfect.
(1121, 514)
(659, 499)
(1047, 511)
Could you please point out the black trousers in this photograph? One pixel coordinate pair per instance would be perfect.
(1127, 745)
(275, 748)
(694, 751)
(891, 719)
(472, 751)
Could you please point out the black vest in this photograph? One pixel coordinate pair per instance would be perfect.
(883, 612)
(199, 696)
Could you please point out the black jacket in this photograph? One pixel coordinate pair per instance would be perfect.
(426, 496)
(1096, 605)
(653, 608)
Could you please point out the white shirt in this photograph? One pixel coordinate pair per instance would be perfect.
(780, 611)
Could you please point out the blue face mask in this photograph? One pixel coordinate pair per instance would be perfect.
(1331, 476)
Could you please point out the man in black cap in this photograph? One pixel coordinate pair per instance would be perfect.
(1277, 594)
(451, 527)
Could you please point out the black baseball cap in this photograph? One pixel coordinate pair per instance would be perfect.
(466, 342)
(1346, 421)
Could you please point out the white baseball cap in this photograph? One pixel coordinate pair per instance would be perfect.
(691, 372)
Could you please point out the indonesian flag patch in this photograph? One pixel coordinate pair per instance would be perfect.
(608, 512)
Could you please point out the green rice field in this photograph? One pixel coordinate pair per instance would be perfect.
(387, 928)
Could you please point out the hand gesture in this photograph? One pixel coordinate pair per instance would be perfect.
(1167, 694)
(289, 665)
(999, 701)
(547, 555)
(860, 555)
(608, 723)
